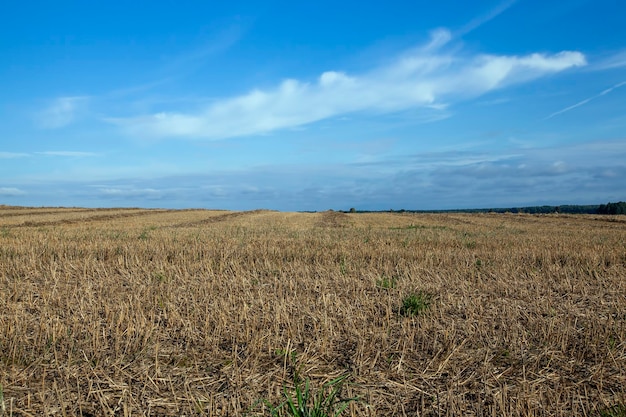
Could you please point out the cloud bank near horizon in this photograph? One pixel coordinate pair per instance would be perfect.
(430, 76)
(434, 180)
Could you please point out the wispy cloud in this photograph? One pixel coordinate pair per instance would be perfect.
(585, 101)
(494, 102)
(71, 154)
(61, 112)
(617, 60)
(481, 20)
(180, 65)
(422, 77)
(214, 44)
(13, 155)
(131, 192)
(11, 191)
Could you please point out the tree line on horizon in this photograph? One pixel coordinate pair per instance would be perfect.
(609, 208)
(612, 208)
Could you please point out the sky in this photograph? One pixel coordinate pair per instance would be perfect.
(319, 105)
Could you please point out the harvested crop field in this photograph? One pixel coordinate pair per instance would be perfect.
(122, 312)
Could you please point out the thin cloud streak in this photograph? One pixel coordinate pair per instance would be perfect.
(179, 66)
(481, 20)
(424, 77)
(13, 155)
(11, 192)
(617, 60)
(585, 101)
(73, 154)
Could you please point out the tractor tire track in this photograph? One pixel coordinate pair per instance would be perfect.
(220, 218)
(90, 219)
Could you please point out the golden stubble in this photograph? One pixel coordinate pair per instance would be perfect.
(193, 312)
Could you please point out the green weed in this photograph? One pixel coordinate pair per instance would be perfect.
(415, 304)
(302, 401)
(386, 283)
(342, 266)
(159, 277)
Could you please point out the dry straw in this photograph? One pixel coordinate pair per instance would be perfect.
(159, 312)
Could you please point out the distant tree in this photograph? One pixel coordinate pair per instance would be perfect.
(612, 208)
(352, 210)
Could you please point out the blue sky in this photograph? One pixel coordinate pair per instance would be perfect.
(311, 106)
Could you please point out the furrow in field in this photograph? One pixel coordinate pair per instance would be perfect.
(62, 218)
(4, 213)
(219, 218)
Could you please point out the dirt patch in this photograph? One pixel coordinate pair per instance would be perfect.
(228, 216)
(333, 219)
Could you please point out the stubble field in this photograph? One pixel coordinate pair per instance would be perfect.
(122, 312)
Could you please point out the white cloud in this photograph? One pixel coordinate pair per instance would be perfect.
(10, 191)
(421, 77)
(61, 112)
